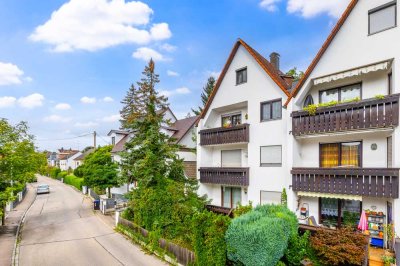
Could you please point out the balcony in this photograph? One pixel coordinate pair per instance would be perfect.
(371, 182)
(220, 210)
(361, 115)
(222, 135)
(232, 176)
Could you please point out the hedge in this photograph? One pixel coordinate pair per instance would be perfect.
(62, 175)
(261, 236)
(74, 181)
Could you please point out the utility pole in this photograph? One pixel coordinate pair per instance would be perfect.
(94, 139)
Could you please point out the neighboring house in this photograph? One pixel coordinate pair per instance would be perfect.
(346, 158)
(52, 159)
(242, 132)
(181, 129)
(78, 161)
(66, 158)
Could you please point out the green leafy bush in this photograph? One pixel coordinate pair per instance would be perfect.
(61, 175)
(240, 209)
(340, 247)
(128, 214)
(54, 172)
(79, 171)
(74, 181)
(298, 249)
(209, 238)
(261, 236)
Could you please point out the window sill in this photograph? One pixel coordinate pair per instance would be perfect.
(271, 165)
(268, 120)
(237, 84)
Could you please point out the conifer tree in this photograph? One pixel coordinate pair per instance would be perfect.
(207, 89)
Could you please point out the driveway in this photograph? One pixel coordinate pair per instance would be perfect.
(62, 229)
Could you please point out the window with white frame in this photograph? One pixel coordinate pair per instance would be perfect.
(271, 155)
(382, 18)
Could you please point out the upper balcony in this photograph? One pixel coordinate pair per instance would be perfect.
(371, 182)
(225, 135)
(361, 115)
(230, 176)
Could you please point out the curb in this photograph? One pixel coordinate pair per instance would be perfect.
(15, 255)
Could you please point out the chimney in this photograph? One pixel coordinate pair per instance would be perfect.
(274, 59)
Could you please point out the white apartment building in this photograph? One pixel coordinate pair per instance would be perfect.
(255, 138)
(346, 158)
(242, 133)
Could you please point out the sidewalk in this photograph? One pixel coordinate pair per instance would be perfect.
(9, 230)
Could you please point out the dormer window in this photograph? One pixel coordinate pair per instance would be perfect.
(382, 18)
(241, 76)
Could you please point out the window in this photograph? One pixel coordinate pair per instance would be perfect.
(270, 197)
(231, 120)
(308, 101)
(271, 110)
(241, 76)
(389, 152)
(271, 155)
(390, 84)
(231, 196)
(341, 94)
(113, 140)
(347, 154)
(382, 18)
(338, 212)
(231, 158)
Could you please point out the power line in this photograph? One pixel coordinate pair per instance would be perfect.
(84, 135)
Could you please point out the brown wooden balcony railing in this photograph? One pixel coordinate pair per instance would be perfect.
(371, 182)
(232, 176)
(222, 135)
(220, 210)
(361, 115)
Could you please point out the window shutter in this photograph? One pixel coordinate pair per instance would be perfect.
(231, 158)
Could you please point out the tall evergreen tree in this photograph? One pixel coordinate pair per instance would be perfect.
(207, 89)
(150, 155)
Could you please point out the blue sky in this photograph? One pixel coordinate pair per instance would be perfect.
(66, 65)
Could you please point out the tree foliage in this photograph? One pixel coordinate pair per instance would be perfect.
(207, 89)
(19, 161)
(296, 74)
(99, 170)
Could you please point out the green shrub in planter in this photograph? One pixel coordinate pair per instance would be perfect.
(261, 236)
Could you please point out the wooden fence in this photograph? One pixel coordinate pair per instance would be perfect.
(183, 255)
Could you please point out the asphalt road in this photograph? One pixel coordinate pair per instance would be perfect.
(62, 229)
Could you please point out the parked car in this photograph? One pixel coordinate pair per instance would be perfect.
(43, 188)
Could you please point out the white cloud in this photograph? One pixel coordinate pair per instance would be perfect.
(86, 124)
(56, 119)
(10, 74)
(145, 53)
(160, 31)
(312, 8)
(111, 118)
(7, 101)
(215, 74)
(28, 79)
(63, 106)
(31, 101)
(97, 24)
(88, 100)
(182, 90)
(172, 73)
(108, 99)
(269, 5)
(168, 47)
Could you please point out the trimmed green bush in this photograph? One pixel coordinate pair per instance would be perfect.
(53, 172)
(74, 181)
(261, 236)
(61, 175)
(209, 238)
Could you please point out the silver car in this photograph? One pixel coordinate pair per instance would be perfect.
(43, 188)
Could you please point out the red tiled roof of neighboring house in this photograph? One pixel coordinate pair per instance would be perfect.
(275, 74)
(182, 126)
(120, 145)
(66, 156)
(322, 50)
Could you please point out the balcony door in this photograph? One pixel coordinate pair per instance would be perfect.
(231, 120)
(231, 197)
(339, 212)
(231, 158)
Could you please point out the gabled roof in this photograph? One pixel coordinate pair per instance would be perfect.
(182, 126)
(264, 64)
(324, 47)
(119, 132)
(83, 155)
(120, 145)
